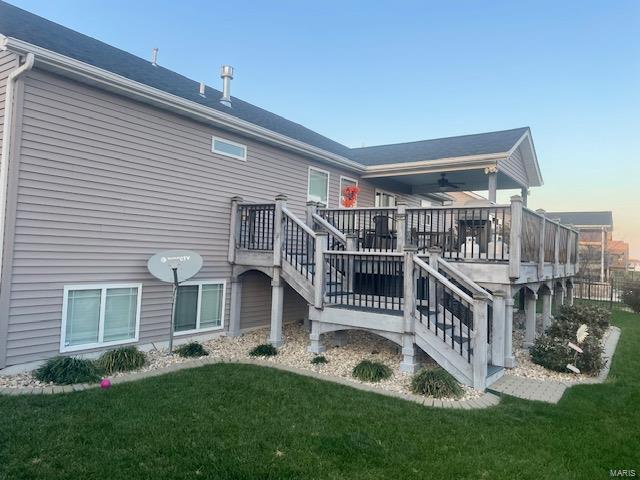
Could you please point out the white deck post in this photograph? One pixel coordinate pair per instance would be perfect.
(315, 345)
(234, 228)
(524, 195)
(492, 182)
(509, 358)
(319, 270)
(498, 330)
(401, 226)
(352, 246)
(546, 309)
(515, 237)
(235, 307)
(556, 252)
(530, 318)
(278, 231)
(479, 342)
(434, 255)
(541, 247)
(312, 207)
(409, 363)
(277, 304)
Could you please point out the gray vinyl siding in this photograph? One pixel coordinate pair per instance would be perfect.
(105, 182)
(256, 302)
(514, 167)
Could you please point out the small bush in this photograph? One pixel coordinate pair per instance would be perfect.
(191, 349)
(631, 296)
(264, 350)
(319, 360)
(554, 353)
(436, 382)
(369, 371)
(569, 320)
(68, 370)
(122, 360)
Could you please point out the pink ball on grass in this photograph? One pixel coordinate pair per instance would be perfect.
(105, 384)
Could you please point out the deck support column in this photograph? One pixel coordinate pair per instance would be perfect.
(509, 357)
(234, 228)
(558, 297)
(409, 363)
(315, 346)
(479, 342)
(401, 226)
(492, 182)
(499, 329)
(235, 307)
(515, 237)
(277, 305)
(547, 297)
(530, 318)
(569, 300)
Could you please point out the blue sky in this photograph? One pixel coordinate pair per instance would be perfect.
(383, 72)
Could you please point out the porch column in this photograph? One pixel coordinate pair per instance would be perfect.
(498, 329)
(236, 307)
(530, 318)
(400, 226)
(546, 309)
(515, 237)
(277, 304)
(479, 342)
(315, 346)
(492, 182)
(409, 363)
(558, 297)
(569, 300)
(509, 358)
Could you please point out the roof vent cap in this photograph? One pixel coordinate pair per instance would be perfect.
(154, 57)
(226, 74)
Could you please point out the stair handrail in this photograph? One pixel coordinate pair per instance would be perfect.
(441, 278)
(299, 222)
(464, 279)
(330, 228)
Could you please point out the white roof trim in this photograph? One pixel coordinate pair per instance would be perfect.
(534, 175)
(434, 166)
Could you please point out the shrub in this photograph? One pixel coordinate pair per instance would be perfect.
(68, 370)
(369, 371)
(264, 350)
(122, 360)
(554, 353)
(191, 349)
(631, 296)
(436, 382)
(319, 360)
(569, 320)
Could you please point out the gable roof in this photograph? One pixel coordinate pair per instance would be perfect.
(34, 30)
(596, 219)
(459, 146)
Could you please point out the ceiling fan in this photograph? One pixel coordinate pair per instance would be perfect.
(444, 183)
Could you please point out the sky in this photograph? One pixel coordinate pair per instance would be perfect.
(377, 72)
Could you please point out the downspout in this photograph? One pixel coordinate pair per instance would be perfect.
(7, 132)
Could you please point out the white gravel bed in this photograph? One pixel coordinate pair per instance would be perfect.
(341, 360)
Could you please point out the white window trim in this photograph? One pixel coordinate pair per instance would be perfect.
(309, 199)
(342, 177)
(103, 287)
(200, 283)
(227, 154)
(386, 192)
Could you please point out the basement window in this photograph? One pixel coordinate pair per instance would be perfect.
(228, 148)
(99, 315)
(199, 306)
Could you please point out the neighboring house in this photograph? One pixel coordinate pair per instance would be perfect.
(108, 159)
(618, 256)
(634, 265)
(596, 231)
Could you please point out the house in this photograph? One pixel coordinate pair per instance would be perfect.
(108, 158)
(618, 256)
(596, 233)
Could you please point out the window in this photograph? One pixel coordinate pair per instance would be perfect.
(98, 315)
(229, 148)
(199, 306)
(385, 199)
(318, 188)
(344, 183)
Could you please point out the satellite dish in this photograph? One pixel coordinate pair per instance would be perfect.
(186, 263)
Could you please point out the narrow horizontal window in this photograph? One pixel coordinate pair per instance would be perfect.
(100, 315)
(199, 306)
(229, 148)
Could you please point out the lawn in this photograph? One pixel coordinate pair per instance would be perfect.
(238, 421)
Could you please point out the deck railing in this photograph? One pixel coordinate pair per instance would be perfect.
(256, 226)
(374, 228)
(299, 245)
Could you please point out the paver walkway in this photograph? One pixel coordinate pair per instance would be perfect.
(551, 391)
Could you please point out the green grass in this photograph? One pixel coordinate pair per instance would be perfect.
(240, 421)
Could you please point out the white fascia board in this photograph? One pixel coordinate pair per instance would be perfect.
(75, 68)
(434, 166)
(527, 140)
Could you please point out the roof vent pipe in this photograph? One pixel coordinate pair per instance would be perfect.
(202, 88)
(154, 57)
(226, 74)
